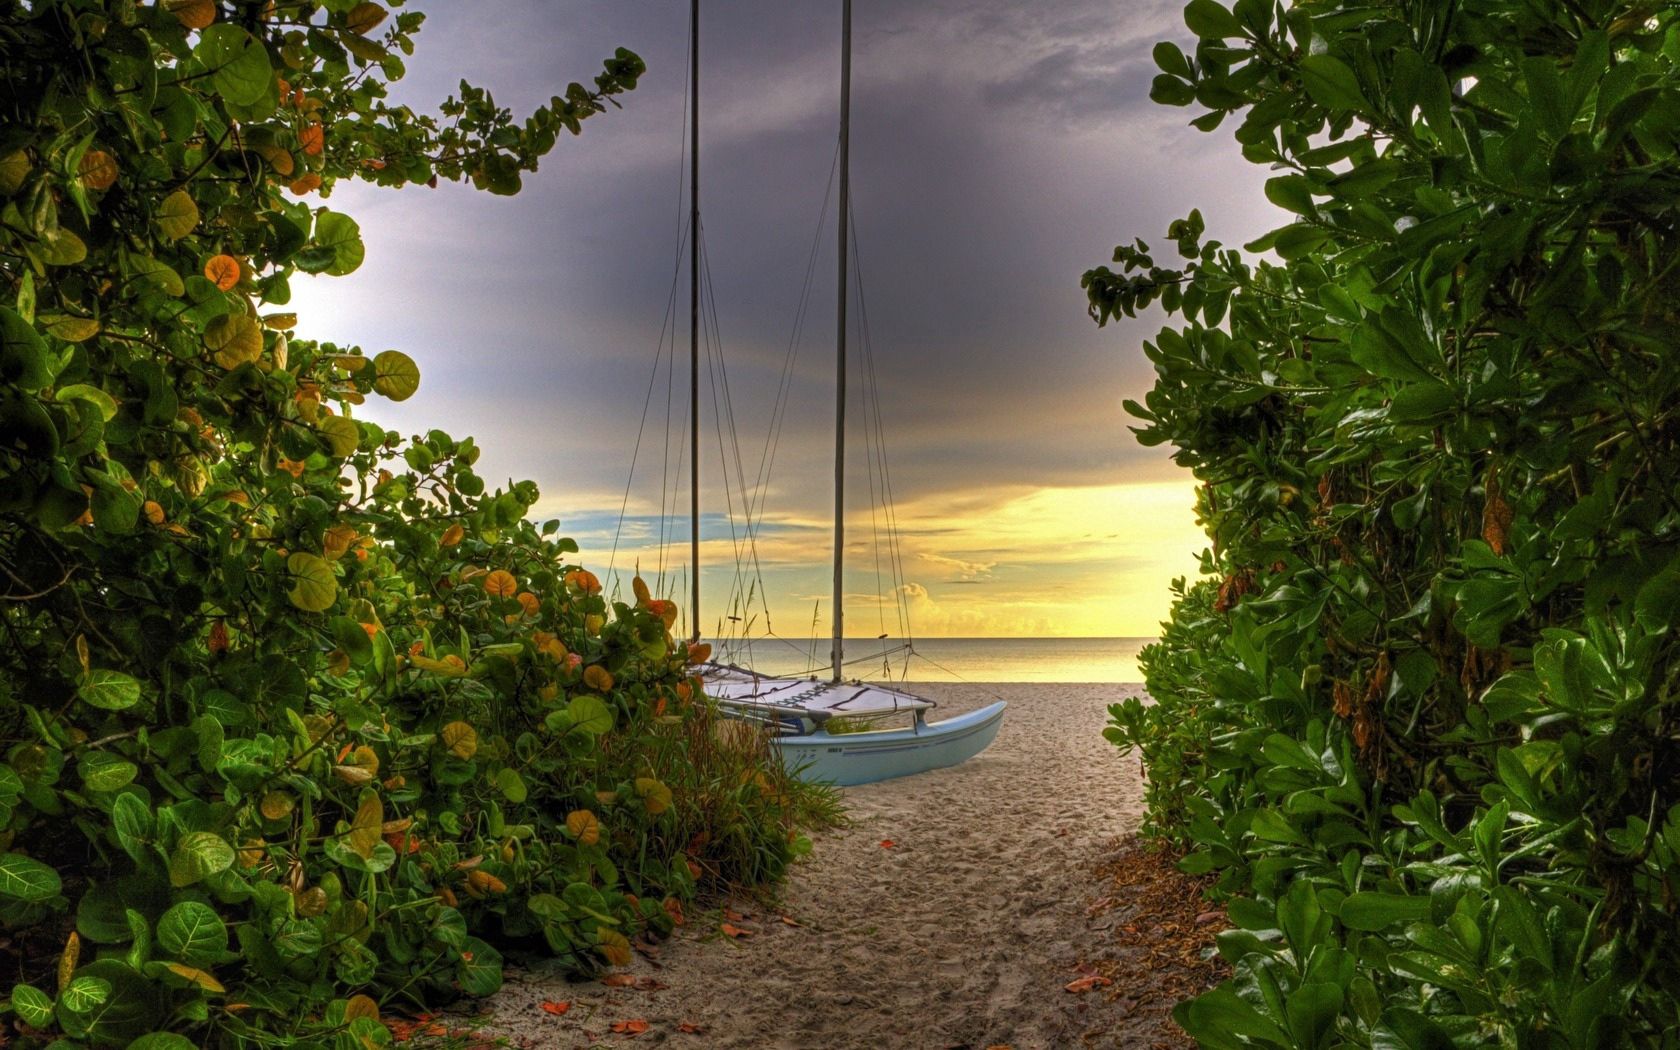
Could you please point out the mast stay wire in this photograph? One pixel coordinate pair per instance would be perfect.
(668, 324)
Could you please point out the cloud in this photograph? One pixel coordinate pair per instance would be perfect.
(967, 571)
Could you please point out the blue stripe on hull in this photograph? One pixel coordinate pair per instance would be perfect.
(863, 758)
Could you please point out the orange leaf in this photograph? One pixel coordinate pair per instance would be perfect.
(584, 827)
(305, 184)
(1085, 984)
(313, 139)
(98, 170)
(673, 908)
(583, 580)
(218, 638)
(643, 595)
(788, 921)
(452, 535)
(501, 584)
(223, 271)
(731, 930)
(192, 14)
(636, 1027)
(690, 1028)
(699, 652)
(528, 602)
(549, 1006)
(597, 677)
(153, 511)
(888, 843)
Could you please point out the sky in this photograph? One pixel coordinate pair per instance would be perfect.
(999, 150)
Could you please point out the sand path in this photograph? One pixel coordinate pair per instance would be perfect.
(961, 934)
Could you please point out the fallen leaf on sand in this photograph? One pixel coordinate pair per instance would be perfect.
(630, 980)
(551, 1007)
(731, 930)
(733, 916)
(636, 1027)
(888, 843)
(690, 1028)
(1085, 984)
(787, 921)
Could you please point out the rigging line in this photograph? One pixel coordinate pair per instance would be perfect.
(647, 401)
(725, 414)
(894, 534)
(778, 418)
(734, 448)
(973, 685)
(758, 494)
(870, 393)
(678, 226)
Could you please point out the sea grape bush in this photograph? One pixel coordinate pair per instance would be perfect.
(299, 719)
(1423, 714)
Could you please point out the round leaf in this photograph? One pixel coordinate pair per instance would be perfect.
(103, 771)
(460, 739)
(33, 1005)
(235, 339)
(238, 62)
(590, 714)
(396, 376)
(314, 587)
(177, 216)
(342, 436)
(197, 855)
(193, 933)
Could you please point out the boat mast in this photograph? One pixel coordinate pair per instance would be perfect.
(840, 335)
(694, 306)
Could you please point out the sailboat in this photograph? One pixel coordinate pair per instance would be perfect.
(799, 713)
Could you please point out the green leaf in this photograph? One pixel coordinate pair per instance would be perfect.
(26, 879)
(395, 375)
(590, 714)
(479, 969)
(198, 855)
(193, 933)
(314, 586)
(341, 434)
(237, 61)
(511, 785)
(109, 690)
(33, 1005)
(131, 819)
(1379, 911)
(106, 404)
(103, 771)
(1332, 84)
(83, 994)
(336, 249)
(1210, 20)
(177, 216)
(23, 353)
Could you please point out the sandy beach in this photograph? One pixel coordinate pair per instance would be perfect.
(953, 912)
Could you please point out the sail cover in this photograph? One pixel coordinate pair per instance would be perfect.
(814, 699)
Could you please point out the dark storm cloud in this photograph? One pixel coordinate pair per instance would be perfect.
(999, 150)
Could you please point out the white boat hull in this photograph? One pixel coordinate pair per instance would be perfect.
(863, 758)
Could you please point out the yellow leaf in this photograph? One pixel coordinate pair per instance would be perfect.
(461, 739)
(615, 947)
(278, 159)
(452, 535)
(314, 587)
(451, 665)
(280, 322)
(655, 795)
(235, 339)
(342, 435)
(396, 376)
(643, 595)
(584, 827)
(14, 168)
(361, 1006)
(501, 584)
(177, 216)
(72, 329)
(364, 18)
(367, 826)
(336, 540)
(98, 170)
(192, 14)
(276, 805)
(68, 958)
(352, 775)
(153, 511)
(597, 677)
(199, 977)
(484, 882)
(223, 271)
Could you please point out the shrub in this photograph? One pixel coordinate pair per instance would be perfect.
(1427, 732)
(299, 718)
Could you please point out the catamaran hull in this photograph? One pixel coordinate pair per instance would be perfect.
(863, 758)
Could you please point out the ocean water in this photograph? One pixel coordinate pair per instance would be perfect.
(956, 659)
